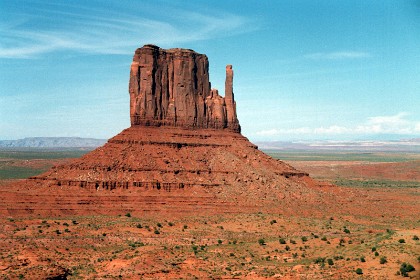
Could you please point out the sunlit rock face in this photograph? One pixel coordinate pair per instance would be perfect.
(171, 88)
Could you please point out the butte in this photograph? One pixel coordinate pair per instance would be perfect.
(184, 152)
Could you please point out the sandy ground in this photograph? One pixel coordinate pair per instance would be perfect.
(329, 236)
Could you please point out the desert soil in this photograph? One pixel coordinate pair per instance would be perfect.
(373, 227)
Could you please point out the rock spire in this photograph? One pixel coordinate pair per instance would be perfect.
(171, 88)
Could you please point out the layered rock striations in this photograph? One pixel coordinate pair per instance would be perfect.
(172, 88)
(183, 152)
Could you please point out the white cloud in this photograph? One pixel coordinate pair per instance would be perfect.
(396, 124)
(105, 32)
(338, 55)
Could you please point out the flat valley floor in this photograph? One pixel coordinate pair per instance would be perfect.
(370, 231)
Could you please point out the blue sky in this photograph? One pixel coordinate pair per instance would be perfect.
(304, 70)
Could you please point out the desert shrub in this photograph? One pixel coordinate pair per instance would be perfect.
(292, 241)
(219, 241)
(319, 260)
(324, 238)
(415, 237)
(376, 253)
(65, 224)
(135, 244)
(282, 241)
(139, 226)
(383, 260)
(159, 225)
(362, 259)
(373, 249)
(273, 222)
(287, 248)
(261, 241)
(401, 240)
(170, 224)
(157, 231)
(66, 230)
(185, 226)
(405, 268)
(231, 254)
(330, 262)
(359, 271)
(128, 215)
(346, 230)
(304, 239)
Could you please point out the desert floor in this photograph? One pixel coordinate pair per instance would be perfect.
(368, 232)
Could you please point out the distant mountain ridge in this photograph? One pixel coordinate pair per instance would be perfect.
(53, 142)
(403, 145)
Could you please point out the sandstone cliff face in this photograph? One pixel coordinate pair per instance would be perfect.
(172, 88)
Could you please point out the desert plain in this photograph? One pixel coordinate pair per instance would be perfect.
(366, 226)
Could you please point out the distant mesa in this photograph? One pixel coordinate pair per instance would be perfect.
(183, 152)
(52, 142)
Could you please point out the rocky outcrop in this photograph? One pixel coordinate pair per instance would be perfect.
(183, 152)
(171, 88)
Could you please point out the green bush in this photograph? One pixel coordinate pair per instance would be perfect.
(319, 260)
(405, 268)
(261, 241)
(304, 239)
(330, 262)
(401, 240)
(359, 271)
(282, 241)
(362, 259)
(383, 260)
(128, 215)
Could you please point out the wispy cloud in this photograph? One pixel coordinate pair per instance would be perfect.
(89, 30)
(337, 55)
(396, 124)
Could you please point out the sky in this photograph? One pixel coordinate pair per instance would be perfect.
(304, 69)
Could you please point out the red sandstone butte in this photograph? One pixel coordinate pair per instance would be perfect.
(171, 87)
(183, 152)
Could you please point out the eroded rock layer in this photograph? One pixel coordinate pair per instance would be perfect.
(172, 88)
(169, 159)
